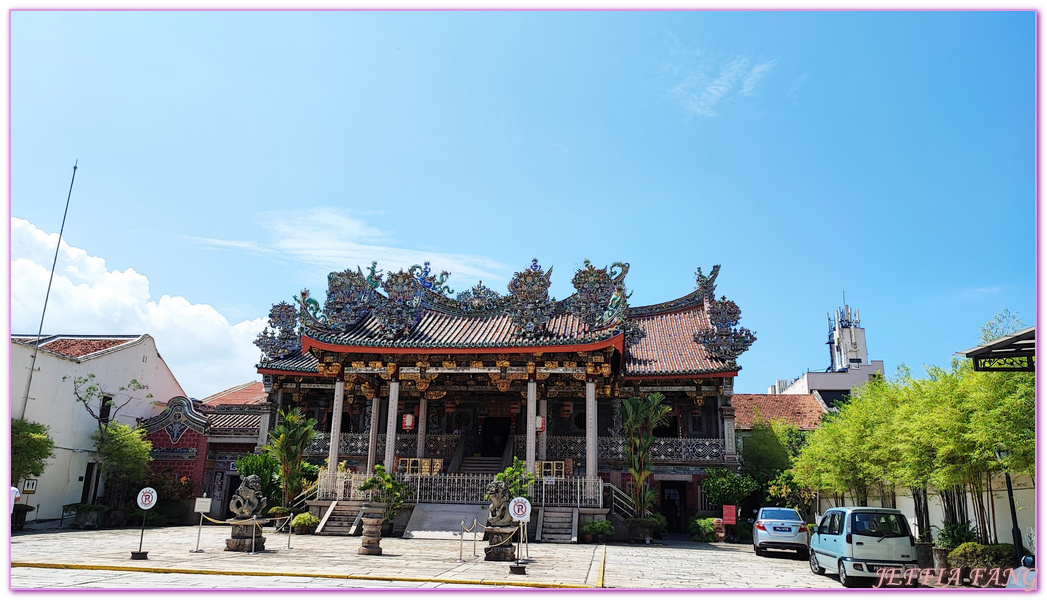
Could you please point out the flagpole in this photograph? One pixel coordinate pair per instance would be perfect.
(39, 333)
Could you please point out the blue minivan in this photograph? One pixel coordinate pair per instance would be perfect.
(858, 542)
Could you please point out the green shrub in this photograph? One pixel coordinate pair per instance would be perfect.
(598, 528)
(952, 536)
(655, 522)
(304, 520)
(703, 530)
(743, 530)
(980, 556)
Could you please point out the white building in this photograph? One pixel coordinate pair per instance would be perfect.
(114, 361)
(849, 361)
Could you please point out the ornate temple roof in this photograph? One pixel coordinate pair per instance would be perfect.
(692, 335)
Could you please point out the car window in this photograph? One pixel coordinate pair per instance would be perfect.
(879, 524)
(835, 524)
(784, 514)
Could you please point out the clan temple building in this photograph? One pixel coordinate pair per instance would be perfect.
(462, 384)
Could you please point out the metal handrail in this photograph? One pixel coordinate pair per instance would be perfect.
(620, 501)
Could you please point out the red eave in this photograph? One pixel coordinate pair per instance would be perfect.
(616, 342)
(691, 376)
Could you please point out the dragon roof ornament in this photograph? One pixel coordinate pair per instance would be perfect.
(531, 307)
(601, 298)
(402, 306)
(283, 339)
(724, 340)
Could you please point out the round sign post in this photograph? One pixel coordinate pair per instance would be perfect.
(146, 499)
(520, 509)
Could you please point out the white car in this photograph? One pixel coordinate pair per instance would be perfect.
(780, 528)
(859, 542)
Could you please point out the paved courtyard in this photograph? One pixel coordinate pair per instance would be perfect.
(66, 558)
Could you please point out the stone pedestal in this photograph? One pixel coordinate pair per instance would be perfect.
(372, 535)
(500, 545)
(246, 538)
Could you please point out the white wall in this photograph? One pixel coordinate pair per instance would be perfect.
(51, 402)
(1024, 503)
(842, 380)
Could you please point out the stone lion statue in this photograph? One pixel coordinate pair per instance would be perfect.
(498, 492)
(248, 499)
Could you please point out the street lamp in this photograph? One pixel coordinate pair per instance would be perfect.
(1016, 534)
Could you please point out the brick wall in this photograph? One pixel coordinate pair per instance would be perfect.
(180, 467)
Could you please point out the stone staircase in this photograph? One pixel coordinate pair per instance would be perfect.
(342, 519)
(558, 525)
(480, 464)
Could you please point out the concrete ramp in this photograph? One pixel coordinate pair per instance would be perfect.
(444, 521)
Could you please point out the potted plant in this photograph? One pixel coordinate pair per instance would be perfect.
(387, 494)
(644, 528)
(304, 523)
(599, 529)
(18, 516)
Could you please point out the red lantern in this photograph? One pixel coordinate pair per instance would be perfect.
(449, 407)
(514, 408)
(566, 409)
(408, 422)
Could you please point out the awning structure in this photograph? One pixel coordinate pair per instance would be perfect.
(1015, 352)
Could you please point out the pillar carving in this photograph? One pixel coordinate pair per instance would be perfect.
(532, 402)
(590, 428)
(336, 431)
(390, 425)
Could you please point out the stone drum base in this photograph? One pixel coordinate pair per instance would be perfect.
(245, 544)
(500, 545)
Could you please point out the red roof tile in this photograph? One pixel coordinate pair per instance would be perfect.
(802, 410)
(668, 347)
(245, 393)
(77, 346)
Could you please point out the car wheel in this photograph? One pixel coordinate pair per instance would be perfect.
(815, 568)
(845, 580)
(758, 550)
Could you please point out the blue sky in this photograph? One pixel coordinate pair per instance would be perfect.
(229, 159)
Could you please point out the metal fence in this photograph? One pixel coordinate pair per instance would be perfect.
(467, 488)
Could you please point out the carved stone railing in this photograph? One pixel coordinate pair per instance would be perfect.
(467, 488)
(355, 444)
(613, 448)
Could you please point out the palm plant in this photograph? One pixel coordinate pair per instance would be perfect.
(640, 417)
(287, 443)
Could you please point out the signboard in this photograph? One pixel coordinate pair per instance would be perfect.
(147, 498)
(730, 515)
(520, 509)
(202, 505)
(29, 487)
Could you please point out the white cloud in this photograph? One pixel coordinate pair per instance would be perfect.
(205, 352)
(330, 240)
(701, 92)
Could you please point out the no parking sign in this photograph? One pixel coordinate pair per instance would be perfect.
(147, 498)
(520, 509)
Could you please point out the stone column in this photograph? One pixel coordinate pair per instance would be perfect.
(543, 442)
(590, 428)
(532, 401)
(336, 435)
(372, 434)
(423, 410)
(390, 425)
(727, 412)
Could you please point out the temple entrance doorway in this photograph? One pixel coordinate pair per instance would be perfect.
(674, 503)
(495, 435)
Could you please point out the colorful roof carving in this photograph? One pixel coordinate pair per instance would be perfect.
(692, 335)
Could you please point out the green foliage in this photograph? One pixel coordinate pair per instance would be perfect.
(169, 487)
(598, 528)
(516, 479)
(764, 456)
(305, 520)
(785, 491)
(981, 556)
(386, 489)
(955, 535)
(724, 487)
(703, 529)
(653, 523)
(123, 455)
(31, 446)
(640, 417)
(287, 444)
(267, 468)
